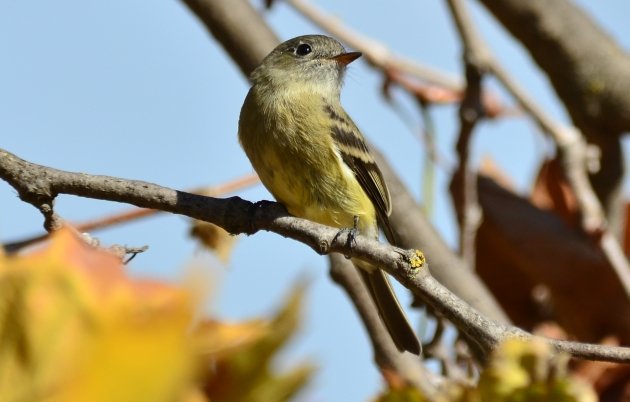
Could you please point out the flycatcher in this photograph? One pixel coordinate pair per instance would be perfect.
(313, 159)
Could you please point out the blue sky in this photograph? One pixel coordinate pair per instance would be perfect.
(138, 89)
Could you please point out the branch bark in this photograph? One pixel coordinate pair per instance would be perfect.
(35, 182)
(135, 213)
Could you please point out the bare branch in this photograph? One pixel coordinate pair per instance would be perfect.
(589, 71)
(590, 74)
(572, 146)
(134, 214)
(236, 215)
(234, 24)
(464, 182)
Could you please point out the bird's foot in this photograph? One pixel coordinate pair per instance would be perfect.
(351, 239)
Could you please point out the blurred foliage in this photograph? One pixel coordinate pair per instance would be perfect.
(531, 371)
(75, 327)
(519, 371)
(244, 374)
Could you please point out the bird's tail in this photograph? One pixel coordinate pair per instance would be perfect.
(390, 311)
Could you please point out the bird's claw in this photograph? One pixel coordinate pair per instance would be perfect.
(351, 240)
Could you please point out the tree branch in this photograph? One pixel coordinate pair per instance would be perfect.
(572, 147)
(236, 215)
(135, 213)
(234, 24)
(589, 72)
(471, 111)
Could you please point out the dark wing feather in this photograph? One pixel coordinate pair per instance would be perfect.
(356, 155)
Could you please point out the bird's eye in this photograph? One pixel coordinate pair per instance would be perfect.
(303, 49)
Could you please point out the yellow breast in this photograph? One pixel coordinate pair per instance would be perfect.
(291, 148)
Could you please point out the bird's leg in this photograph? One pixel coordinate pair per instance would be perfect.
(352, 236)
(351, 240)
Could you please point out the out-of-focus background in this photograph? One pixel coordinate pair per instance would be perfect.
(140, 90)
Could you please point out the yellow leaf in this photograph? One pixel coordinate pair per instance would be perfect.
(242, 368)
(530, 371)
(74, 327)
(218, 338)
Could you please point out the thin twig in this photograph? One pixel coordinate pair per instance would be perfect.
(428, 134)
(443, 88)
(438, 349)
(471, 111)
(375, 52)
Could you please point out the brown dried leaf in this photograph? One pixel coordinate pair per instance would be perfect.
(520, 247)
(552, 192)
(214, 238)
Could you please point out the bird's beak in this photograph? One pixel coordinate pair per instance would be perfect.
(346, 58)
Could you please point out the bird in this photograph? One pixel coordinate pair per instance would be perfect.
(314, 160)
